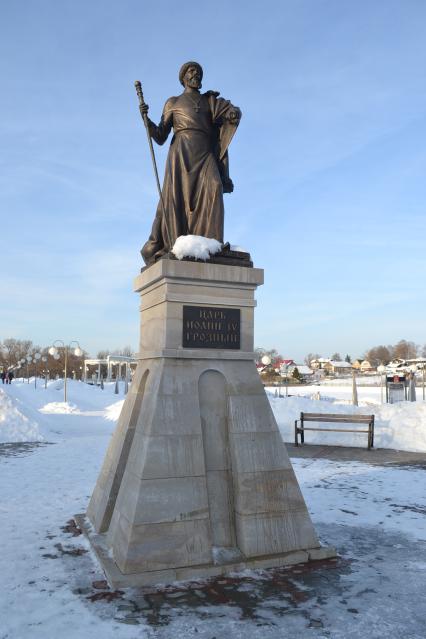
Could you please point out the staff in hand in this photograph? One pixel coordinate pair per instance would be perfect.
(143, 108)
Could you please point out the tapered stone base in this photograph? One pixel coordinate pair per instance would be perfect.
(117, 579)
(196, 469)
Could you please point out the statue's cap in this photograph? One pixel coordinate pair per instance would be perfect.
(184, 68)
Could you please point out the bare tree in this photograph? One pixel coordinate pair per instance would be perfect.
(405, 350)
(103, 354)
(336, 357)
(126, 351)
(379, 355)
(12, 350)
(310, 356)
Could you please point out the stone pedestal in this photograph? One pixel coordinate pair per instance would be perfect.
(196, 480)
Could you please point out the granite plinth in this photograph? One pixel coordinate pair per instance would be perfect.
(196, 462)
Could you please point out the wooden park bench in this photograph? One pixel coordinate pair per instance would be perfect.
(334, 418)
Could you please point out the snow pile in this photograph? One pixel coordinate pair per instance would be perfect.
(195, 246)
(59, 408)
(14, 426)
(399, 426)
(112, 412)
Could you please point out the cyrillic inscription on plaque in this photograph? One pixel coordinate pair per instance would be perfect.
(211, 327)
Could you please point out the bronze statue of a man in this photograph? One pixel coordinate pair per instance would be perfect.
(196, 174)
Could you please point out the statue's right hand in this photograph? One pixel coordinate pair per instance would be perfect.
(143, 108)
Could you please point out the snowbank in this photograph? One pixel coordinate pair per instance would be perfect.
(399, 426)
(37, 414)
(59, 408)
(112, 412)
(195, 246)
(14, 426)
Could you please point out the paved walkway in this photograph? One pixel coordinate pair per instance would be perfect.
(376, 456)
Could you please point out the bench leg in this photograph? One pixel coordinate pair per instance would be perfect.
(296, 439)
(370, 436)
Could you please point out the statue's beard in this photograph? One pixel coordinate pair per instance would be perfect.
(194, 83)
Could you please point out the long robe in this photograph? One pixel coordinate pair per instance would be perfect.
(196, 173)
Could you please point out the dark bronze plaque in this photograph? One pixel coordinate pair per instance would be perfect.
(211, 327)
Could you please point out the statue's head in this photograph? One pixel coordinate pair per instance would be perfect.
(191, 74)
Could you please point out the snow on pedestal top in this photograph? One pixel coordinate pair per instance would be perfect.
(195, 246)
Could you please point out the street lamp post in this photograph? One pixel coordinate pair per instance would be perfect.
(266, 360)
(54, 351)
(37, 356)
(44, 360)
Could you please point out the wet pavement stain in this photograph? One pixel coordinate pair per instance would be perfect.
(20, 449)
(279, 591)
(338, 598)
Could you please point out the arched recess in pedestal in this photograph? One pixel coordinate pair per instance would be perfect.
(212, 391)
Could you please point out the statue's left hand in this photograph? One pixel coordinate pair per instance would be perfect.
(234, 115)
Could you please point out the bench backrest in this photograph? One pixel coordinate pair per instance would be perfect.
(336, 417)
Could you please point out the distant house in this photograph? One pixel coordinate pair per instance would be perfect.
(339, 368)
(320, 363)
(357, 364)
(285, 366)
(397, 363)
(366, 367)
(306, 373)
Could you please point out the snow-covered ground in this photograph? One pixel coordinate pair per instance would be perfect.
(25, 411)
(374, 515)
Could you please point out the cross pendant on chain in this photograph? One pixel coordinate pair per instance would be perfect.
(196, 105)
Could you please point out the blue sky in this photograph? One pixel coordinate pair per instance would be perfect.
(328, 162)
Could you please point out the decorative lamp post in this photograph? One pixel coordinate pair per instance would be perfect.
(37, 356)
(55, 353)
(381, 370)
(266, 361)
(44, 360)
